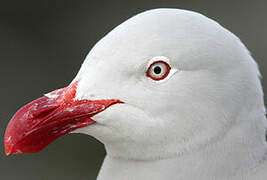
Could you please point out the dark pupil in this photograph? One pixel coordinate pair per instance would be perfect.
(157, 70)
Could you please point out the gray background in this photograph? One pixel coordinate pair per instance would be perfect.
(42, 45)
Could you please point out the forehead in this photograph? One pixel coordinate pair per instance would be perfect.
(182, 36)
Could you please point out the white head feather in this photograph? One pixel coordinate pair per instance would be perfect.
(213, 92)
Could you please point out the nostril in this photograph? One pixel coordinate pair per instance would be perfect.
(43, 114)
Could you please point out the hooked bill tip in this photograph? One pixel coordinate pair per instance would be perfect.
(8, 151)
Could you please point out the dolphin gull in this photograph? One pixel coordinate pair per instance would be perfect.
(169, 92)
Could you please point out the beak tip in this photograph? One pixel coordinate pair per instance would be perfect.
(8, 142)
(8, 150)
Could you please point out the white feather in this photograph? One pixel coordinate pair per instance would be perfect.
(206, 121)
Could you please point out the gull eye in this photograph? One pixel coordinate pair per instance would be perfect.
(158, 70)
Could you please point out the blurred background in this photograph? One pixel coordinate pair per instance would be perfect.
(43, 43)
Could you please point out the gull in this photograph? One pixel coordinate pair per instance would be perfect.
(169, 92)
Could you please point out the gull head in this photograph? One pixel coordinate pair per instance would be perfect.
(163, 83)
(208, 84)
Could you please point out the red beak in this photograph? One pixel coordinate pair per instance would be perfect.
(44, 120)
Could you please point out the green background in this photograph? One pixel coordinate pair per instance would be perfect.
(42, 45)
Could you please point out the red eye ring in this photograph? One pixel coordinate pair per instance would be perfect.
(158, 70)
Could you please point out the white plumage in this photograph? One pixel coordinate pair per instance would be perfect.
(206, 121)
